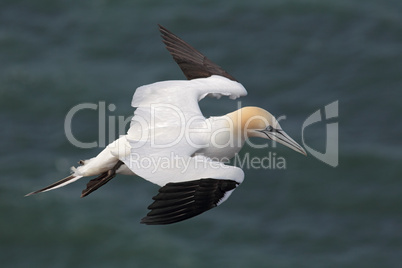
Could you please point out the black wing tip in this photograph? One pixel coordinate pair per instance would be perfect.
(165, 32)
(149, 221)
(193, 63)
(162, 29)
(177, 202)
(162, 220)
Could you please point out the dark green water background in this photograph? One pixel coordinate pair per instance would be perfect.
(294, 57)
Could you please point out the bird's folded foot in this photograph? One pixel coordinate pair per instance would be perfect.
(101, 180)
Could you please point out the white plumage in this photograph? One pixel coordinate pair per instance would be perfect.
(166, 113)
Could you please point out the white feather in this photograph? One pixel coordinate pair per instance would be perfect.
(157, 133)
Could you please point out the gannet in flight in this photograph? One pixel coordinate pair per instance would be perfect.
(170, 143)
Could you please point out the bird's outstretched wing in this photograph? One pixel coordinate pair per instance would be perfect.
(183, 200)
(191, 61)
(189, 185)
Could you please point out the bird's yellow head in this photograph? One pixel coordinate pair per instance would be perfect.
(257, 122)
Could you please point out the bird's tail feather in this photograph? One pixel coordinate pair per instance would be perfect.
(58, 184)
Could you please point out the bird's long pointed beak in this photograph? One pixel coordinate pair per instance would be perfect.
(280, 136)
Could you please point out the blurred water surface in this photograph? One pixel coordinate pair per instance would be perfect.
(294, 57)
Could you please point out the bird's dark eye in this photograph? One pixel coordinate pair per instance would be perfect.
(270, 128)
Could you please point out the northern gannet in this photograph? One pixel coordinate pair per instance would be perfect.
(170, 142)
